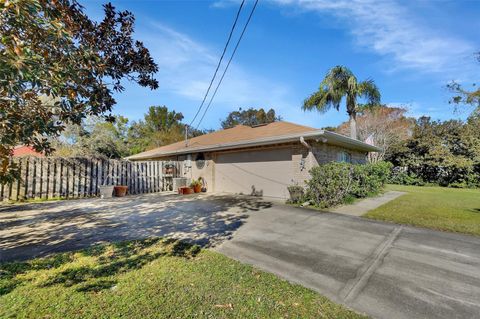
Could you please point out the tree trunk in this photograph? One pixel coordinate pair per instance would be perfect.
(353, 125)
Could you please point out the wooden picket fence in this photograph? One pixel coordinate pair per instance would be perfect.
(55, 177)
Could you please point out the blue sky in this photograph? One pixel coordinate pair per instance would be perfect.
(411, 49)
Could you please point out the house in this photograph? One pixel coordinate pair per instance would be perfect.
(260, 160)
(25, 150)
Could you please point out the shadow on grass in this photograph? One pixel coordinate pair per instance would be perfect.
(107, 262)
(9, 271)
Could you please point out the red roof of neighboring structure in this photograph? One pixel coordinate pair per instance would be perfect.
(25, 150)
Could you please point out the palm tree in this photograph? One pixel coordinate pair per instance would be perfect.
(338, 83)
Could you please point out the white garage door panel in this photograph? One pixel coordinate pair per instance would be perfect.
(266, 173)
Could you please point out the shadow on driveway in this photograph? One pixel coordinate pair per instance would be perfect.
(33, 230)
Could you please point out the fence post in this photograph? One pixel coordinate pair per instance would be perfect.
(49, 182)
(26, 180)
(145, 176)
(144, 181)
(94, 177)
(63, 174)
(78, 164)
(138, 177)
(54, 177)
(16, 184)
(135, 176)
(148, 177)
(38, 179)
(155, 176)
(44, 191)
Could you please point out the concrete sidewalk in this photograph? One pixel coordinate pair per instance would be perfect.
(385, 270)
(363, 206)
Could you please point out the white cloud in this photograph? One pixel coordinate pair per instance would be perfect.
(417, 109)
(392, 31)
(224, 3)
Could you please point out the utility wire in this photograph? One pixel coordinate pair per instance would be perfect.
(219, 62)
(228, 64)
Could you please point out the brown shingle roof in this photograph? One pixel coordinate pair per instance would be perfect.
(237, 134)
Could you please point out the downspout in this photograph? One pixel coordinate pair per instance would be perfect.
(309, 147)
(304, 143)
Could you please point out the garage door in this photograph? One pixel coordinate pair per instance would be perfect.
(266, 173)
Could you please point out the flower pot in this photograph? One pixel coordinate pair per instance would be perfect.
(106, 191)
(187, 190)
(296, 194)
(197, 188)
(120, 190)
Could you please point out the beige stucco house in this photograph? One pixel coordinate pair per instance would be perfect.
(259, 160)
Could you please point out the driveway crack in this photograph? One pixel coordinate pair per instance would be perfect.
(356, 285)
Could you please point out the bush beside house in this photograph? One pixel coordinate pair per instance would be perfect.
(338, 183)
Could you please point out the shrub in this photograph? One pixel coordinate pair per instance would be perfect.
(337, 183)
(329, 184)
(370, 178)
(296, 194)
(470, 180)
(196, 182)
(439, 153)
(401, 177)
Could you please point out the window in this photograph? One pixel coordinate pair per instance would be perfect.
(344, 157)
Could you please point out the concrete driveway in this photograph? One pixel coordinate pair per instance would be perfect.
(384, 270)
(31, 230)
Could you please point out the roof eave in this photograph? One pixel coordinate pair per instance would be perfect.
(356, 144)
(234, 145)
(330, 136)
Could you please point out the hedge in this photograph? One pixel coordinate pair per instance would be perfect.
(457, 178)
(337, 183)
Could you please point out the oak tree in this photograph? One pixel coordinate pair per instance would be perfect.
(58, 66)
(249, 117)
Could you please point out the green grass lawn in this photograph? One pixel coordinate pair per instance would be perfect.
(155, 278)
(449, 209)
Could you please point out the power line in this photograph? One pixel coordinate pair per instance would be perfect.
(219, 62)
(228, 64)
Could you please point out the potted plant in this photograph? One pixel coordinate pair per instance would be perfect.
(120, 190)
(185, 190)
(204, 184)
(106, 191)
(296, 193)
(196, 185)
